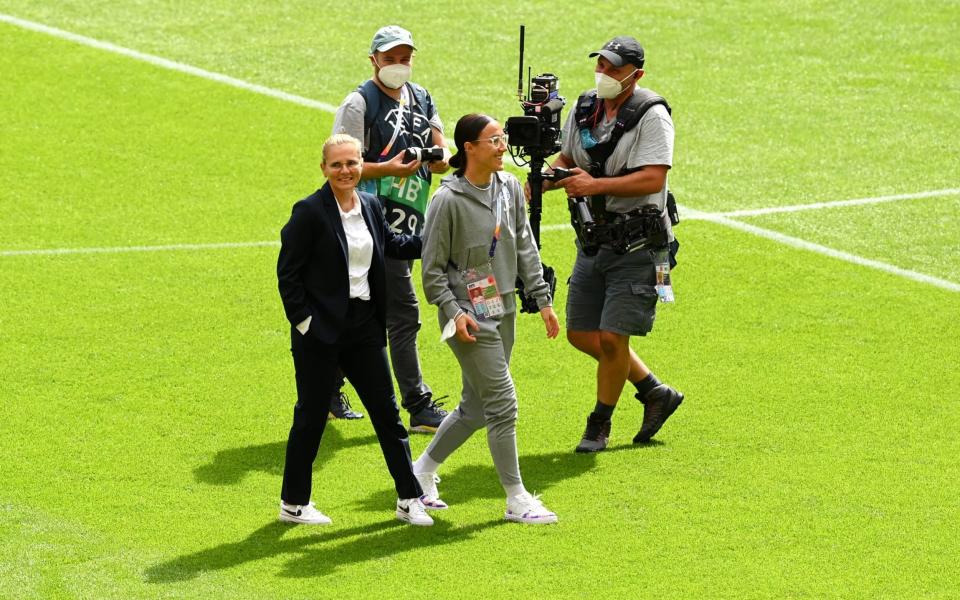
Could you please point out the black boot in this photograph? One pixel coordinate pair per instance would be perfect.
(658, 405)
(596, 434)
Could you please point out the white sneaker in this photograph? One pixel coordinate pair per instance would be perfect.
(306, 514)
(431, 497)
(527, 508)
(412, 511)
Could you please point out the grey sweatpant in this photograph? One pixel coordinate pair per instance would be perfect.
(489, 399)
(403, 323)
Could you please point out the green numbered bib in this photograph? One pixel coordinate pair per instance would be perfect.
(405, 199)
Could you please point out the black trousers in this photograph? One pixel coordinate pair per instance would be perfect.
(362, 356)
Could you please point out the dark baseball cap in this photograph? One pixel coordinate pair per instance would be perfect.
(620, 50)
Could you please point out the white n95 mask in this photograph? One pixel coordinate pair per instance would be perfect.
(394, 76)
(608, 87)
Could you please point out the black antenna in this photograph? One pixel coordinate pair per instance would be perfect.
(520, 76)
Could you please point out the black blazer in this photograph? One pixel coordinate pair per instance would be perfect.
(312, 267)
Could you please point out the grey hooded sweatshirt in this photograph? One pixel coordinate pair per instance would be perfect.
(459, 228)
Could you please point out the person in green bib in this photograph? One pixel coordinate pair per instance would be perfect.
(396, 119)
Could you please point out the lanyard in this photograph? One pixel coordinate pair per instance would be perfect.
(404, 100)
(499, 210)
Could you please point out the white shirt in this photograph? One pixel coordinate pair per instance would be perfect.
(359, 256)
(359, 250)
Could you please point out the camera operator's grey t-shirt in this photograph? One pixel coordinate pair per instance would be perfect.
(649, 143)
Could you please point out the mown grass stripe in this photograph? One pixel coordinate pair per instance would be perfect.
(168, 64)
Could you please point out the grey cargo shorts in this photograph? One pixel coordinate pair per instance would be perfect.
(612, 292)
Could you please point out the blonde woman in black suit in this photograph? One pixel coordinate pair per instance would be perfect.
(331, 278)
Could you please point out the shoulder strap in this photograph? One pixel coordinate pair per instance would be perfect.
(419, 96)
(628, 117)
(371, 97)
(641, 102)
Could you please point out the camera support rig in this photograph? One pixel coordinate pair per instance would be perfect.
(534, 137)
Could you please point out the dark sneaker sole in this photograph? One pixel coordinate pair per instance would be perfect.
(426, 429)
(350, 417)
(643, 437)
(581, 449)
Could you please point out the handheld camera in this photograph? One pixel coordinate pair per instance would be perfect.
(537, 132)
(533, 137)
(423, 154)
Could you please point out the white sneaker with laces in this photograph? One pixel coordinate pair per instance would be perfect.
(412, 511)
(307, 514)
(431, 497)
(527, 508)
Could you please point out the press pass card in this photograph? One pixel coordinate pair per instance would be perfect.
(483, 294)
(664, 288)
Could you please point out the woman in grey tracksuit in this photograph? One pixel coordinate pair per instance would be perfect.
(476, 226)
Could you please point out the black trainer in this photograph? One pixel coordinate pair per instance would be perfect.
(596, 434)
(340, 408)
(658, 405)
(426, 415)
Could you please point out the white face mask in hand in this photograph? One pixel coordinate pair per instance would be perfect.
(394, 76)
(449, 330)
(608, 87)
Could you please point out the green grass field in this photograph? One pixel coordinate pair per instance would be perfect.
(146, 387)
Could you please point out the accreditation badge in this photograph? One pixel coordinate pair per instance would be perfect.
(405, 199)
(661, 260)
(483, 293)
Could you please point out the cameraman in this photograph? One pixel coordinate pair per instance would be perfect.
(390, 114)
(612, 296)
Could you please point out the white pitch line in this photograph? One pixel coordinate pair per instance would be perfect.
(837, 203)
(120, 249)
(117, 249)
(168, 64)
(722, 219)
(839, 254)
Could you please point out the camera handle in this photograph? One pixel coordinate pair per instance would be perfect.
(535, 208)
(536, 178)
